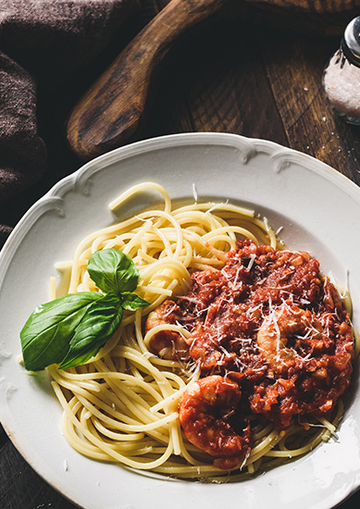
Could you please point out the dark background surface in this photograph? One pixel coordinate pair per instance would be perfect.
(227, 76)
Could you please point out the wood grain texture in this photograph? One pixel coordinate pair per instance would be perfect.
(269, 89)
(295, 72)
(114, 109)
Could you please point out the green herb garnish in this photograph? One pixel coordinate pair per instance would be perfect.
(72, 329)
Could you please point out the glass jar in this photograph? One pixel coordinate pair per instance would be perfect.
(341, 78)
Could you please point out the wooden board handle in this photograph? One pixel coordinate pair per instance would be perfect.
(112, 110)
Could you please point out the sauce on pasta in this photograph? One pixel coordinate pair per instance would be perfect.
(271, 323)
(215, 276)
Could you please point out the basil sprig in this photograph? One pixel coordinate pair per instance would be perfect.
(71, 329)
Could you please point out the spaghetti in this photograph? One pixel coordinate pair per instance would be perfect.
(122, 405)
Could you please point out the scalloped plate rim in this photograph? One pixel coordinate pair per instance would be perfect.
(53, 200)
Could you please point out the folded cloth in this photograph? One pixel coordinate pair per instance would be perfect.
(42, 42)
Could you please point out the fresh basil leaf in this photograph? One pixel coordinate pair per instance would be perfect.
(98, 324)
(113, 271)
(70, 330)
(132, 301)
(46, 335)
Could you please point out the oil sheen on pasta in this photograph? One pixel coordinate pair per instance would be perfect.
(240, 361)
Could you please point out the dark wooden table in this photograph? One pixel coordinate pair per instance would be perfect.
(227, 76)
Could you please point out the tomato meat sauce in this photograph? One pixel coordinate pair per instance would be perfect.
(268, 323)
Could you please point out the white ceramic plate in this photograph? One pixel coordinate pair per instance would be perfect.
(319, 210)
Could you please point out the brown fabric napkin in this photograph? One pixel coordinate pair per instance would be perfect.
(45, 46)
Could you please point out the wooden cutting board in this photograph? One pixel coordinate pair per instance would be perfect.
(113, 110)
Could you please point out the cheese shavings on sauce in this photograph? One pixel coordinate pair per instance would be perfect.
(269, 321)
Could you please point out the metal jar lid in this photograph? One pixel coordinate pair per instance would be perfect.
(350, 43)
